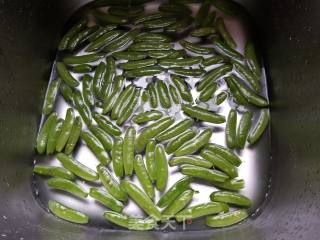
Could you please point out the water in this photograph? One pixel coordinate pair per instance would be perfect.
(254, 169)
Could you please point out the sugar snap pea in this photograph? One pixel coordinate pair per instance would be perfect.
(175, 8)
(82, 107)
(159, 23)
(227, 219)
(111, 184)
(252, 60)
(142, 174)
(225, 33)
(203, 32)
(213, 76)
(109, 102)
(71, 33)
(180, 25)
(184, 62)
(106, 125)
(65, 75)
(195, 48)
(174, 94)
(103, 40)
(87, 90)
(231, 129)
(128, 150)
(236, 94)
(195, 72)
(142, 200)
(243, 129)
(230, 7)
(144, 18)
(202, 13)
(68, 186)
(151, 46)
(152, 37)
(108, 18)
(101, 31)
(150, 160)
(77, 168)
(65, 130)
(81, 37)
(129, 222)
(147, 116)
(220, 98)
(194, 144)
(163, 94)
(123, 11)
(67, 93)
(182, 87)
(122, 98)
(110, 72)
(224, 49)
(153, 95)
(67, 213)
(161, 166)
(210, 20)
(207, 92)
(220, 163)
(96, 147)
(82, 58)
(231, 198)
(74, 135)
(122, 41)
(190, 160)
(142, 72)
(106, 199)
(43, 134)
(137, 64)
(230, 184)
(174, 191)
(117, 156)
(201, 210)
(204, 173)
(130, 55)
(175, 130)
(202, 114)
(150, 132)
(104, 138)
(53, 171)
(128, 107)
(260, 127)
(53, 135)
(145, 96)
(51, 95)
(170, 54)
(177, 142)
(224, 153)
(214, 60)
(98, 78)
(82, 68)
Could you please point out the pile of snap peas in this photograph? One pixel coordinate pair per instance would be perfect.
(131, 129)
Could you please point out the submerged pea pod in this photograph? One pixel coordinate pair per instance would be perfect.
(82, 108)
(117, 156)
(210, 20)
(43, 134)
(82, 68)
(67, 93)
(202, 13)
(65, 130)
(98, 79)
(227, 219)
(104, 138)
(129, 108)
(121, 42)
(169, 54)
(117, 90)
(174, 94)
(230, 184)
(53, 171)
(82, 58)
(147, 116)
(195, 72)
(152, 37)
(224, 153)
(195, 48)
(183, 62)
(142, 174)
(137, 64)
(203, 32)
(224, 49)
(150, 132)
(87, 90)
(207, 92)
(243, 129)
(106, 125)
(130, 55)
(67, 186)
(177, 142)
(108, 18)
(175, 130)
(128, 11)
(81, 37)
(236, 94)
(148, 17)
(175, 8)
(182, 87)
(162, 172)
(190, 160)
(159, 23)
(225, 33)
(260, 127)
(204, 173)
(150, 160)
(252, 60)
(231, 128)
(128, 150)
(220, 98)
(180, 25)
(163, 94)
(51, 96)
(153, 95)
(106, 199)
(101, 31)
(122, 98)
(150, 46)
(74, 135)
(103, 40)
(217, 59)
(65, 75)
(233, 198)
(202, 114)
(53, 135)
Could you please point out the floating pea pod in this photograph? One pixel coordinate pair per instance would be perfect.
(128, 150)
(224, 153)
(233, 198)
(195, 48)
(231, 128)
(43, 134)
(65, 75)
(142, 174)
(67, 186)
(106, 199)
(74, 135)
(190, 160)
(150, 160)
(82, 107)
(225, 33)
(163, 94)
(204, 173)
(104, 138)
(51, 96)
(147, 116)
(53, 135)
(260, 127)
(175, 130)
(106, 124)
(117, 156)
(53, 171)
(161, 166)
(202, 114)
(177, 142)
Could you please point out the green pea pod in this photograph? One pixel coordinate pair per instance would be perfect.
(121, 42)
(231, 129)
(182, 87)
(231, 184)
(247, 75)
(150, 132)
(195, 72)
(111, 184)
(207, 92)
(43, 134)
(117, 89)
(224, 153)
(252, 60)
(65, 130)
(53, 135)
(202, 114)
(236, 94)
(137, 64)
(65, 75)
(204, 173)
(141, 199)
(260, 127)
(190, 160)
(194, 144)
(150, 160)
(159, 23)
(147, 116)
(201, 210)
(153, 95)
(220, 163)
(82, 68)
(130, 55)
(87, 90)
(51, 96)
(225, 33)
(130, 223)
(108, 18)
(174, 94)
(110, 70)
(144, 96)
(152, 37)
(202, 13)
(184, 62)
(170, 54)
(163, 94)
(243, 129)
(175, 8)
(96, 147)
(77, 168)
(106, 125)
(161, 166)
(217, 59)
(53, 171)
(103, 40)
(213, 76)
(174, 191)
(129, 108)
(195, 48)
(130, 12)
(106, 199)
(74, 135)
(226, 219)
(67, 213)
(81, 37)
(67, 93)
(71, 33)
(82, 108)
(231, 198)
(180, 25)
(150, 46)
(98, 79)
(175, 130)
(143, 72)
(83, 58)
(104, 138)
(117, 156)
(224, 49)
(220, 98)
(101, 31)
(142, 174)
(180, 203)
(128, 150)
(210, 20)
(125, 105)
(120, 101)
(249, 94)
(203, 32)
(67, 186)
(148, 17)
(177, 142)
(230, 7)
